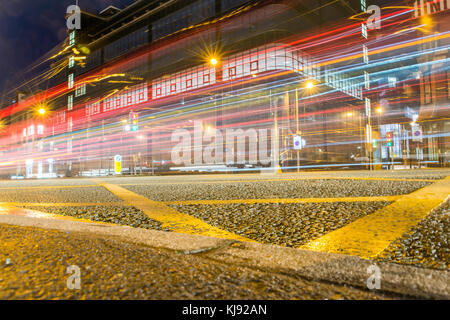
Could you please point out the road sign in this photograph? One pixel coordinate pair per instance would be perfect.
(118, 164)
(416, 133)
(298, 143)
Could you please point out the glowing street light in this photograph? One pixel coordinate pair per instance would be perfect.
(213, 61)
(309, 85)
(380, 110)
(42, 111)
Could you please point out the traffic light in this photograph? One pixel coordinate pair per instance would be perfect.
(134, 121)
(389, 136)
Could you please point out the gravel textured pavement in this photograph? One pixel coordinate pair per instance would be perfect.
(34, 262)
(427, 245)
(54, 195)
(283, 224)
(122, 215)
(277, 189)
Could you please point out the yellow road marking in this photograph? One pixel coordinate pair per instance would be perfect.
(49, 187)
(367, 237)
(62, 204)
(206, 202)
(168, 217)
(12, 210)
(289, 200)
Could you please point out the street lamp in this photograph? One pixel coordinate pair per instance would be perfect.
(309, 85)
(213, 61)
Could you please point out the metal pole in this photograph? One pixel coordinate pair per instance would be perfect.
(298, 127)
(275, 137)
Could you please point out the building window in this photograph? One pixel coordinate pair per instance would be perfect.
(71, 61)
(80, 90)
(365, 54)
(70, 124)
(254, 66)
(366, 80)
(173, 87)
(72, 38)
(40, 129)
(206, 78)
(232, 72)
(189, 83)
(24, 132)
(364, 30)
(70, 102)
(70, 81)
(31, 130)
(158, 91)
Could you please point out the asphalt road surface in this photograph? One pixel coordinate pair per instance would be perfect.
(406, 212)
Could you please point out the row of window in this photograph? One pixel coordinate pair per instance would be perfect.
(250, 62)
(340, 81)
(190, 15)
(30, 130)
(126, 43)
(134, 95)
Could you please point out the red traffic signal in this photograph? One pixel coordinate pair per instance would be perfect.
(389, 135)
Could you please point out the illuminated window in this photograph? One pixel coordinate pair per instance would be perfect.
(173, 87)
(364, 30)
(158, 91)
(70, 102)
(24, 132)
(206, 78)
(368, 107)
(118, 102)
(71, 62)
(392, 82)
(70, 81)
(363, 5)
(61, 117)
(366, 80)
(70, 124)
(31, 130)
(254, 66)
(365, 54)
(189, 83)
(80, 90)
(232, 72)
(40, 129)
(72, 38)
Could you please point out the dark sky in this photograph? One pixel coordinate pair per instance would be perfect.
(30, 28)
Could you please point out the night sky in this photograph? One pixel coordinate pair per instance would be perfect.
(30, 28)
